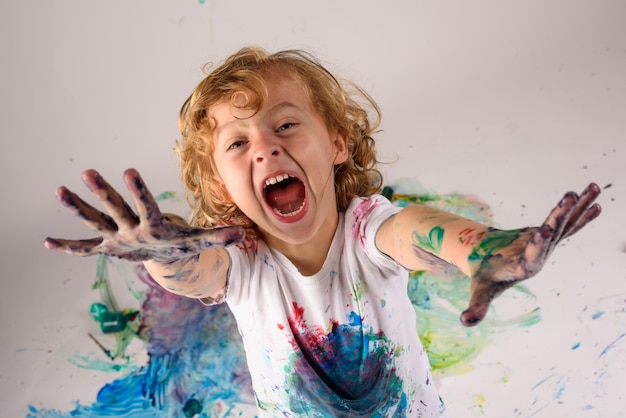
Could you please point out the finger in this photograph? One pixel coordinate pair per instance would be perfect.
(590, 214)
(74, 247)
(116, 206)
(473, 315)
(553, 227)
(546, 236)
(587, 197)
(584, 211)
(90, 216)
(147, 207)
(483, 292)
(562, 214)
(478, 307)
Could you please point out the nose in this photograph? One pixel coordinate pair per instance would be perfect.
(266, 148)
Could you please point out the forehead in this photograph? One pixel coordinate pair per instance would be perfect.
(274, 94)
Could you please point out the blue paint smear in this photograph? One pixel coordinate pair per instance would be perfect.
(612, 345)
(196, 363)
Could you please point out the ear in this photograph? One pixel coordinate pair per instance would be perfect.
(340, 145)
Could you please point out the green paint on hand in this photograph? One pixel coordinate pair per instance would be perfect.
(493, 241)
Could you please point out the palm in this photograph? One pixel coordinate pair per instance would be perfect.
(145, 235)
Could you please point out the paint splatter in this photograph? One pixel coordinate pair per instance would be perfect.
(352, 382)
(196, 364)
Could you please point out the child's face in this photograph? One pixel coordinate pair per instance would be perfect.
(277, 164)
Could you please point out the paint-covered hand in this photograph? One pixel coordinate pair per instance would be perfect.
(505, 258)
(145, 235)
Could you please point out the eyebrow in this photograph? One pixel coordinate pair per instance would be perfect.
(220, 128)
(270, 111)
(280, 106)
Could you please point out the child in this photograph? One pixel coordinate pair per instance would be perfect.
(290, 231)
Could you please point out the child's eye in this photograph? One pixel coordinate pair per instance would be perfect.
(236, 144)
(285, 126)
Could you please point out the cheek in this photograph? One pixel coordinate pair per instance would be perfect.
(218, 173)
(233, 180)
(219, 169)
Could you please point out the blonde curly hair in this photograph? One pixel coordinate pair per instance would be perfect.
(342, 106)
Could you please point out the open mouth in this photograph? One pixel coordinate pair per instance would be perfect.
(285, 194)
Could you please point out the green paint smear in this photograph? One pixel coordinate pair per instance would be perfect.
(432, 242)
(493, 241)
(91, 363)
(438, 302)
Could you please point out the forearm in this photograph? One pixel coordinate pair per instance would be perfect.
(424, 238)
(200, 276)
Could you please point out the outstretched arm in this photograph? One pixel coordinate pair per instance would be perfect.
(424, 238)
(183, 259)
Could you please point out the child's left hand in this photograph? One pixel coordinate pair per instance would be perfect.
(505, 258)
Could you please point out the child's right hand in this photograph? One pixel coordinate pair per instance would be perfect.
(145, 235)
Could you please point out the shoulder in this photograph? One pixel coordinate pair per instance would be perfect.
(371, 211)
(364, 217)
(363, 220)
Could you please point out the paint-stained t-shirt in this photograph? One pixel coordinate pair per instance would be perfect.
(342, 342)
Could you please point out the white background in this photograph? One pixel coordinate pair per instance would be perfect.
(515, 102)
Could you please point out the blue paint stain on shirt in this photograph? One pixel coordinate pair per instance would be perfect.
(347, 372)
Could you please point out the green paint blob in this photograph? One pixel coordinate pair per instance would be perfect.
(192, 408)
(97, 310)
(112, 322)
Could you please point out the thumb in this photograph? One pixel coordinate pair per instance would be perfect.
(478, 306)
(474, 314)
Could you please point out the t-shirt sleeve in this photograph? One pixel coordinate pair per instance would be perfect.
(364, 217)
(240, 258)
(242, 266)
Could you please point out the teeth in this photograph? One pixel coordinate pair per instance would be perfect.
(277, 179)
(295, 212)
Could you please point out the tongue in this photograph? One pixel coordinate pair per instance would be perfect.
(286, 197)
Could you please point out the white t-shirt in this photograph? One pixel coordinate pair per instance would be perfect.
(342, 342)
